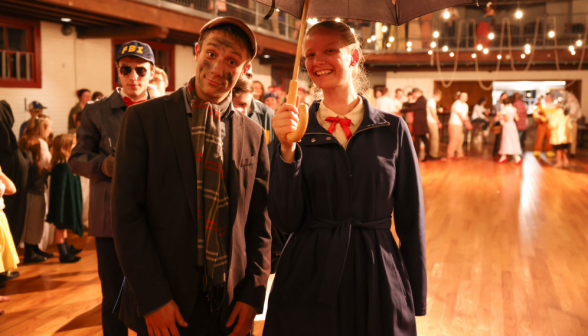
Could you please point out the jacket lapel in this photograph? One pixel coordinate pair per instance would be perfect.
(236, 148)
(177, 118)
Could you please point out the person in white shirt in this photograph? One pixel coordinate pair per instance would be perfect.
(384, 103)
(434, 124)
(479, 113)
(397, 101)
(458, 119)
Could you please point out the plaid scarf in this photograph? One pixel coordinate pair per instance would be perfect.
(211, 195)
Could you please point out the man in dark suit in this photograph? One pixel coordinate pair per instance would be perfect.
(158, 192)
(93, 158)
(420, 127)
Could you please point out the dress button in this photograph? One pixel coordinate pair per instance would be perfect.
(313, 140)
(328, 138)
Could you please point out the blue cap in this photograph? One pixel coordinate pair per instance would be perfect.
(36, 105)
(136, 49)
(270, 95)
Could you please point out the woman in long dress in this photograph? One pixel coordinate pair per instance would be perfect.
(341, 271)
(510, 143)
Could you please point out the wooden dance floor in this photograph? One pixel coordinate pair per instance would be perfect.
(507, 254)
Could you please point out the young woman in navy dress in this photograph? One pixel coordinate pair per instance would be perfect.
(341, 271)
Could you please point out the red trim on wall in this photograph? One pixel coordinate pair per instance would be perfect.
(34, 28)
(171, 76)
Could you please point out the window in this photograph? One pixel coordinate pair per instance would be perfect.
(20, 53)
(164, 58)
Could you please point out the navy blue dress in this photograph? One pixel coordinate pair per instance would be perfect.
(341, 272)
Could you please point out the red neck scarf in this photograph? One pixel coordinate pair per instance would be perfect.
(345, 123)
(128, 101)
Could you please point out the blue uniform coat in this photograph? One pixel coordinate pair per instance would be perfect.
(341, 272)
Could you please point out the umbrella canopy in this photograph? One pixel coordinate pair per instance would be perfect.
(395, 12)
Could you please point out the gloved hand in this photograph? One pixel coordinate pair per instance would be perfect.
(108, 166)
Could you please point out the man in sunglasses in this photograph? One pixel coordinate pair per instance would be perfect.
(93, 157)
(190, 200)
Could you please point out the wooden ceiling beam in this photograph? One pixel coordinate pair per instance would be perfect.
(138, 32)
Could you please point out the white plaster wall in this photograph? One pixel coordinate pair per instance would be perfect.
(93, 60)
(425, 80)
(58, 80)
(262, 73)
(185, 64)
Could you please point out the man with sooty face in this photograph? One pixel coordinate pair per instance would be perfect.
(93, 157)
(190, 200)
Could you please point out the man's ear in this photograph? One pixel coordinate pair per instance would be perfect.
(196, 49)
(245, 69)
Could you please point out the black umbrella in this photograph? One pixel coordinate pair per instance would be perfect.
(395, 12)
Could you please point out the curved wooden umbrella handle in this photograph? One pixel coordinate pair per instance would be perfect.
(302, 113)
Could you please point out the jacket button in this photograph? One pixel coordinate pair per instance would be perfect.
(328, 138)
(313, 140)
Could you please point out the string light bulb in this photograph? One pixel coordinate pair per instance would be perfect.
(435, 34)
(446, 15)
(523, 56)
(571, 48)
(491, 36)
(408, 49)
(473, 55)
(451, 54)
(430, 52)
(480, 47)
(485, 50)
(445, 48)
(551, 34)
(499, 56)
(409, 44)
(373, 37)
(369, 40)
(338, 20)
(573, 52)
(384, 29)
(579, 43)
(388, 44)
(433, 44)
(391, 39)
(519, 14)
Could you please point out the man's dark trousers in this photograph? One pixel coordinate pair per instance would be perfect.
(111, 278)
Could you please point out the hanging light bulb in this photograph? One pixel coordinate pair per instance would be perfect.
(430, 52)
(491, 36)
(388, 44)
(384, 29)
(523, 56)
(409, 44)
(480, 47)
(314, 21)
(473, 55)
(573, 52)
(373, 37)
(527, 46)
(309, 21)
(433, 44)
(408, 49)
(485, 50)
(551, 34)
(451, 54)
(579, 43)
(499, 56)
(338, 20)
(446, 15)
(519, 14)
(369, 40)
(571, 48)
(445, 48)
(391, 39)
(435, 34)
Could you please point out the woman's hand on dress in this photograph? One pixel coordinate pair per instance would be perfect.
(285, 122)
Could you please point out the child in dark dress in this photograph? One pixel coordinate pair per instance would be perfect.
(65, 198)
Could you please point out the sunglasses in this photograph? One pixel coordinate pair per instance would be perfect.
(125, 70)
